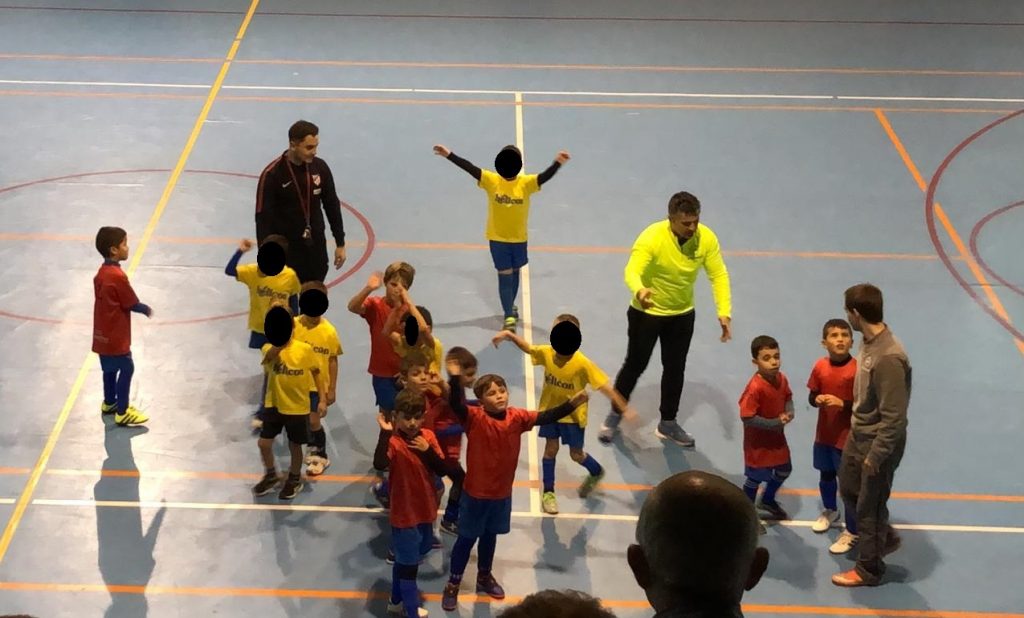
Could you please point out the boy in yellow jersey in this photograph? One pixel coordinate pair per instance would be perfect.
(293, 371)
(418, 333)
(508, 200)
(312, 328)
(268, 280)
(566, 371)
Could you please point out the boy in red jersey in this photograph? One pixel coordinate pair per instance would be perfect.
(415, 463)
(831, 391)
(112, 326)
(766, 407)
(494, 435)
(384, 362)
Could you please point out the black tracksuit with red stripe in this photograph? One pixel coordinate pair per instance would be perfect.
(279, 211)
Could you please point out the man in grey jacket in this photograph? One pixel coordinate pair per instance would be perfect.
(878, 434)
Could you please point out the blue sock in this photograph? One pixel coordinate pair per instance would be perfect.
(750, 488)
(851, 521)
(591, 465)
(109, 387)
(124, 384)
(548, 466)
(828, 487)
(396, 589)
(515, 285)
(460, 557)
(485, 553)
(506, 285)
(410, 597)
(770, 488)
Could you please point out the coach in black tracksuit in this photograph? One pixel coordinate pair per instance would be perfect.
(293, 194)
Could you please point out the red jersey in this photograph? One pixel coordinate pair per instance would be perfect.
(837, 380)
(764, 448)
(111, 314)
(440, 416)
(492, 451)
(384, 363)
(413, 493)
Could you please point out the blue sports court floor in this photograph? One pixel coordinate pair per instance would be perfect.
(830, 143)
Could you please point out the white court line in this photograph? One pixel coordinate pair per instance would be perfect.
(527, 315)
(573, 93)
(315, 508)
(7, 500)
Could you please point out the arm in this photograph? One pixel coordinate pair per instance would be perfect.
(469, 168)
(332, 205)
(619, 402)
(264, 203)
(293, 303)
(391, 323)
(812, 399)
(457, 398)
(718, 275)
(355, 304)
(231, 269)
(891, 378)
(639, 257)
(762, 422)
(141, 308)
(332, 375)
(516, 339)
(321, 386)
(547, 174)
(546, 417)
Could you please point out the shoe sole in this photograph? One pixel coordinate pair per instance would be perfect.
(298, 489)
(689, 444)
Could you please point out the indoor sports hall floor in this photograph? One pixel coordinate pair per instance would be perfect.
(830, 143)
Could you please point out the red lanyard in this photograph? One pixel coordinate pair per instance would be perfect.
(304, 203)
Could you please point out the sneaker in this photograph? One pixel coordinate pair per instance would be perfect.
(851, 579)
(291, 488)
(390, 558)
(489, 586)
(130, 418)
(670, 430)
(761, 530)
(549, 503)
(316, 464)
(773, 511)
(451, 527)
(510, 324)
(450, 597)
(108, 408)
(398, 609)
(266, 484)
(515, 311)
(825, 520)
(844, 543)
(609, 428)
(589, 483)
(381, 495)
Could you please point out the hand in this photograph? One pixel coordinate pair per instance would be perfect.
(819, 400)
(830, 400)
(726, 323)
(441, 151)
(869, 467)
(629, 413)
(331, 397)
(453, 366)
(420, 444)
(786, 418)
(339, 257)
(562, 157)
(375, 280)
(643, 296)
(501, 336)
(383, 422)
(245, 245)
(149, 314)
(321, 408)
(405, 296)
(579, 399)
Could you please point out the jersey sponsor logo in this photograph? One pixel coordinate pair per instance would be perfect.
(283, 370)
(285, 185)
(320, 350)
(553, 381)
(316, 180)
(507, 200)
(265, 292)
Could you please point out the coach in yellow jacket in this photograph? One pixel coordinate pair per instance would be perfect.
(660, 274)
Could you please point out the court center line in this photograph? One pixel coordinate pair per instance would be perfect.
(965, 255)
(472, 599)
(26, 494)
(365, 510)
(470, 91)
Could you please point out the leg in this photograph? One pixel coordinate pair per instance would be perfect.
(877, 537)
(109, 388)
(675, 337)
(506, 283)
(642, 334)
(594, 470)
(267, 454)
(548, 463)
(779, 474)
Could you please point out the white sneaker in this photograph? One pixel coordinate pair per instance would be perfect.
(399, 610)
(825, 520)
(844, 543)
(315, 465)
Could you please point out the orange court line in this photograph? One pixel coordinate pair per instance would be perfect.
(521, 66)
(359, 595)
(363, 478)
(205, 240)
(499, 103)
(941, 215)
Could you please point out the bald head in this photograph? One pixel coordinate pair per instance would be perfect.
(697, 537)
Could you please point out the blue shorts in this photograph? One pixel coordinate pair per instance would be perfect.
(827, 457)
(508, 255)
(385, 389)
(766, 475)
(570, 433)
(480, 516)
(314, 401)
(112, 364)
(257, 340)
(411, 544)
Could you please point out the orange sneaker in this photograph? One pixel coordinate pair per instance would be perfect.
(850, 579)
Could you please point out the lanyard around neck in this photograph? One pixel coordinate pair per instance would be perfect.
(303, 202)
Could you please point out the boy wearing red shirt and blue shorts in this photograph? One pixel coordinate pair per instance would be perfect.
(766, 407)
(494, 435)
(112, 326)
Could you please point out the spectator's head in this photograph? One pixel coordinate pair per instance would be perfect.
(696, 543)
(557, 604)
(863, 305)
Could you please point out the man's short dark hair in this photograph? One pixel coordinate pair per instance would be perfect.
(866, 300)
(301, 129)
(557, 604)
(683, 203)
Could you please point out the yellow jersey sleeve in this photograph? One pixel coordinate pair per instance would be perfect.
(538, 355)
(246, 273)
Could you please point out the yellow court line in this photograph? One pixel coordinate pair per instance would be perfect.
(972, 265)
(30, 486)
